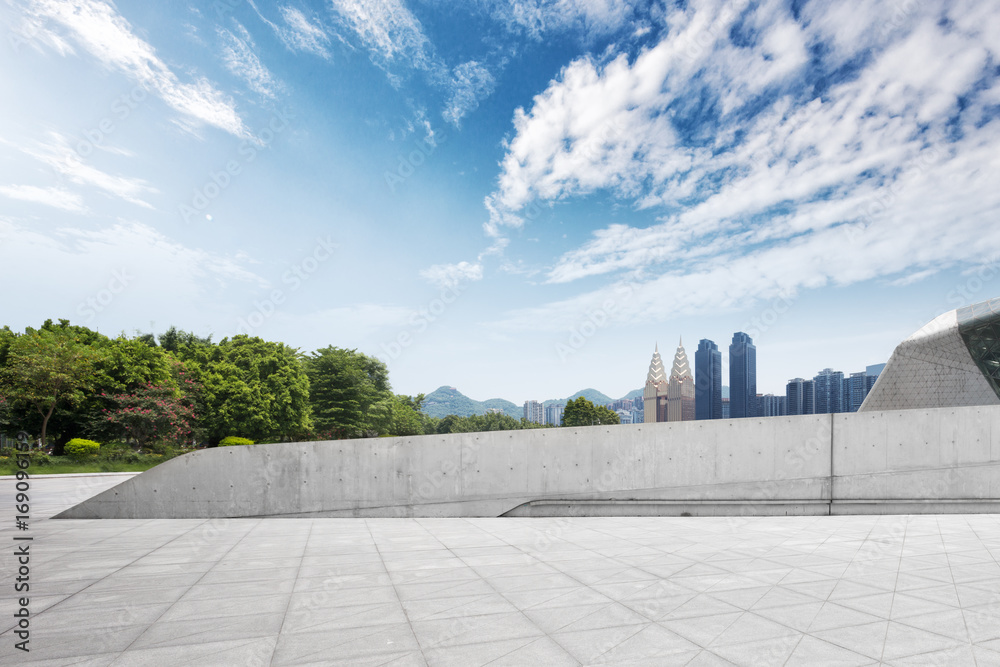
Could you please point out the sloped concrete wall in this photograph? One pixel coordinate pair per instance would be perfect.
(813, 464)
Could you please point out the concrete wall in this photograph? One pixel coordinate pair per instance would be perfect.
(813, 464)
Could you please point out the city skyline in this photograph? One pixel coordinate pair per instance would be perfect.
(508, 201)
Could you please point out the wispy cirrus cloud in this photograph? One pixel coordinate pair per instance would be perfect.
(240, 57)
(299, 33)
(471, 82)
(779, 153)
(451, 275)
(57, 153)
(537, 17)
(52, 196)
(97, 28)
(389, 31)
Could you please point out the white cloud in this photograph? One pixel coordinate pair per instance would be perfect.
(304, 35)
(452, 275)
(158, 277)
(57, 197)
(537, 17)
(762, 186)
(99, 29)
(471, 82)
(389, 31)
(299, 33)
(60, 157)
(240, 58)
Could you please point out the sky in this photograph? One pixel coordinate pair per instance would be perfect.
(518, 199)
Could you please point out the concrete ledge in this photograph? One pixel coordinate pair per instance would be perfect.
(775, 465)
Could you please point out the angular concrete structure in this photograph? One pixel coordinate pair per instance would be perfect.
(913, 461)
(953, 360)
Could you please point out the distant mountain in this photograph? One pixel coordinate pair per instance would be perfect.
(450, 401)
(591, 395)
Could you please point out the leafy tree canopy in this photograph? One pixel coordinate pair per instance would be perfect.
(47, 367)
(350, 393)
(582, 412)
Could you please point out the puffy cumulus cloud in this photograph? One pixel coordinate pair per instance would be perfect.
(781, 154)
(452, 275)
(471, 82)
(240, 58)
(53, 196)
(97, 28)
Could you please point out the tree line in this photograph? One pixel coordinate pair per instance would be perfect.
(64, 381)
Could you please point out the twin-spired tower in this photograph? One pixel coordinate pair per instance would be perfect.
(669, 399)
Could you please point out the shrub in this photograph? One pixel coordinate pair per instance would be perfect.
(80, 449)
(231, 440)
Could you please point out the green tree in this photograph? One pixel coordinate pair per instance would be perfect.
(349, 393)
(582, 412)
(250, 386)
(407, 419)
(47, 368)
(176, 340)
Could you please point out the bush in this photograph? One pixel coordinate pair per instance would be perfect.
(231, 440)
(80, 449)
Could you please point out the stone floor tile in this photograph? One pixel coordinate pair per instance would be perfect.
(813, 651)
(868, 639)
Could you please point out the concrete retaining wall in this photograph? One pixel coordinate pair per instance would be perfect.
(907, 461)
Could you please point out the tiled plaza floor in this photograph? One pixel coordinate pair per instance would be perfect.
(894, 590)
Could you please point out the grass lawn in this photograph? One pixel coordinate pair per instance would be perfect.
(62, 465)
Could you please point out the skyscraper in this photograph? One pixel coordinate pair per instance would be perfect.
(654, 394)
(708, 381)
(829, 391)
(742, 376)
(680, 389)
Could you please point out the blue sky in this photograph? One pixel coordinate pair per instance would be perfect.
(518, 199)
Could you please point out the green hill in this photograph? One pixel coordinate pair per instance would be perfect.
(450, 401)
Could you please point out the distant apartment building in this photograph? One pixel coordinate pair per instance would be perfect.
(856, 390)
(707, 380)
(829, 387)
(624, 416)
(742, 376)
(554, 414)
(725, 408)
(872, 372)
(534, 412)
(799, 397)
(770, 405)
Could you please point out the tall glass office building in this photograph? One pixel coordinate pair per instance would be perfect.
(708, 380)
(742, 376)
